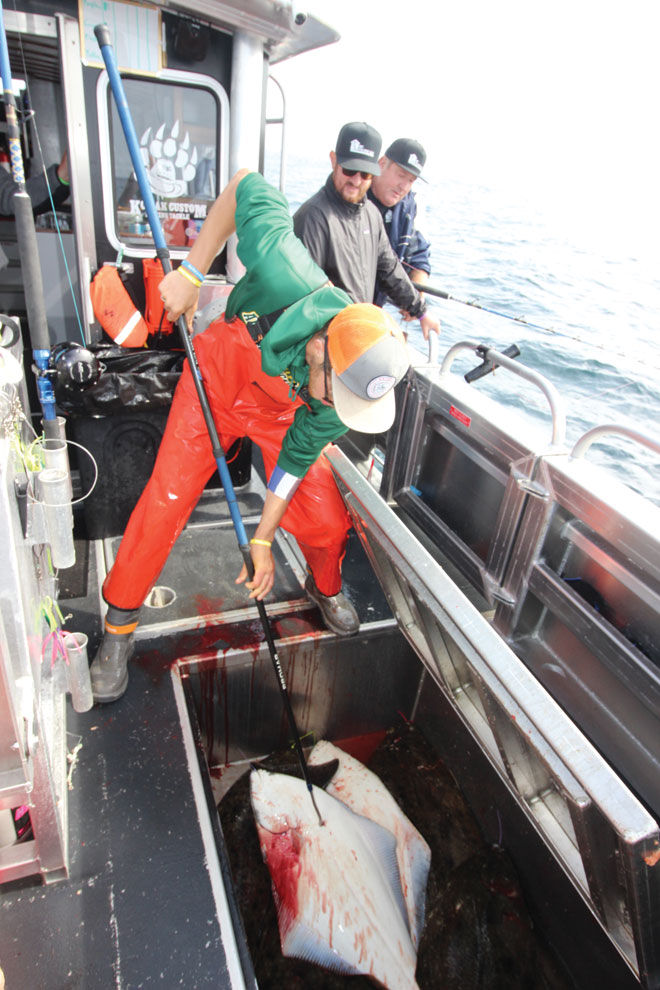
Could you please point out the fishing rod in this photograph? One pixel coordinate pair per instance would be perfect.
(433, 290)
(28, 251)
(102, 33)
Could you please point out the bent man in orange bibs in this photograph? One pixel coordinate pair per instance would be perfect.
(293, 365)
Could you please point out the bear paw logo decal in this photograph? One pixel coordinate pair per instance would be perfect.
(170, 165)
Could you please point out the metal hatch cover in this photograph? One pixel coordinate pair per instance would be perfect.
(597, 830)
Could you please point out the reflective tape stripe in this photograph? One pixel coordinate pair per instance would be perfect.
(121, 630)
(126, 330)
(283, 484)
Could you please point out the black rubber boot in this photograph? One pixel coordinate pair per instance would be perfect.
(109, 671)
(338, 613)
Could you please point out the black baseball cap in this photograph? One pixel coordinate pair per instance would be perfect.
(408, 154)
(358, 147)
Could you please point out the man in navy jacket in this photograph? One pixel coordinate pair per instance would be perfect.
(391, 192)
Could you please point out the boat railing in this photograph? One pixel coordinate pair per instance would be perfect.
(609, 430)
(280, 121)
(497, 359)
(607, 843)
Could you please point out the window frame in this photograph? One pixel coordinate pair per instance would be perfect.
(178, 77)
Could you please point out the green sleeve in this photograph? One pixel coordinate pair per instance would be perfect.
(312, 429)
(279, 269)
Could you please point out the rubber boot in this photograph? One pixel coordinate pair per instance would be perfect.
(109, 671)
(338, 613)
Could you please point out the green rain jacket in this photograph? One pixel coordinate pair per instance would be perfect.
(280, 272)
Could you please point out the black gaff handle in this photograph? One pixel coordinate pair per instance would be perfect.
(27, 247)
(102, 33)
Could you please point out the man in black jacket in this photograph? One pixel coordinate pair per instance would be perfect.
(56, 178)
(344, 232)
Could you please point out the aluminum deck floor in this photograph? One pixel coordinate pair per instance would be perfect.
(144, 902)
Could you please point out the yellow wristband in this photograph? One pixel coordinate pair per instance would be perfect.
(262, 543)
(191, 278)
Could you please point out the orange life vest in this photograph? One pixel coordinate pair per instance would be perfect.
(115, 310)
(152, 270)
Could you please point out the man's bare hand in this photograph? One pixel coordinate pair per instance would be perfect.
(179, 296)
(264, 572)
(428, 324)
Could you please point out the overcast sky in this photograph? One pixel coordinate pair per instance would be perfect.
(557, 99)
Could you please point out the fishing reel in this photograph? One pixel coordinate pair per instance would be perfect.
(73, 367)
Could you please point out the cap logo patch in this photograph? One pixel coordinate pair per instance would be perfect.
(357, 148)
(379, 386)
(414, 160)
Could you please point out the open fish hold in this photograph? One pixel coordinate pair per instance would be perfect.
(365, 794)
(336, 886)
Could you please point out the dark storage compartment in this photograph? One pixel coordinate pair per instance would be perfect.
(124, 447)
(121, 421)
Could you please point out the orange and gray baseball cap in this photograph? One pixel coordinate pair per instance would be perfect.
(368, 355)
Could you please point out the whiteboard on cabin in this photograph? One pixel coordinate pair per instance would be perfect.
(135, 34)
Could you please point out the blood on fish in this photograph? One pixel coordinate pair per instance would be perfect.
(330, 925)
(282, 854)
(457, 942)
(351, 862)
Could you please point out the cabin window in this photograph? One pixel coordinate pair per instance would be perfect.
(179, 128)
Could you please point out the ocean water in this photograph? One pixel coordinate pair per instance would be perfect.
(594, 303)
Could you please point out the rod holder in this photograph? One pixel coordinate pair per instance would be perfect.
(53, 486)
(56, 457)
(78, 682)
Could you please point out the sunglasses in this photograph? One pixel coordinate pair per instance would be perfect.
(327, 379)
(350, 172)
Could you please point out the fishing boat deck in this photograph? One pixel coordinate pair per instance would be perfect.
(138, 907)
(147, 900)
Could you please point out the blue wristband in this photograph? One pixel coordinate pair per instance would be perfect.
(193, 271)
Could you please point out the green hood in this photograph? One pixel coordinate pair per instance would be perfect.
(281, 347)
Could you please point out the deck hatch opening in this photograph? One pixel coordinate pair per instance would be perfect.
(160, 597)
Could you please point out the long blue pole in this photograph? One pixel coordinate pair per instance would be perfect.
(103, 37)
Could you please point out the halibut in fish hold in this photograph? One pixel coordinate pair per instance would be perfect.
(336, 885)
(365, 794)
